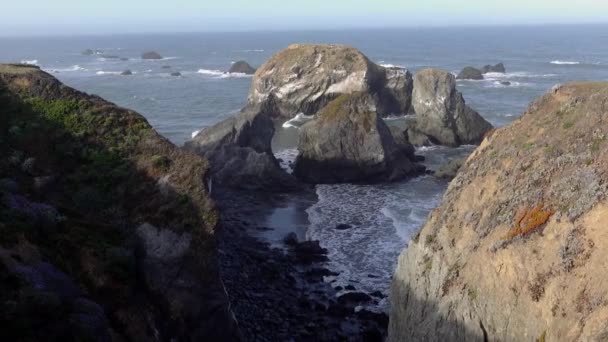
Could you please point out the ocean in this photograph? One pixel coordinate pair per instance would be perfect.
(383, 217)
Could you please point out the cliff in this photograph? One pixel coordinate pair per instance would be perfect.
(107, 227)
(517, 249)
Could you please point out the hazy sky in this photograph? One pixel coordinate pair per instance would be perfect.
(114, 16)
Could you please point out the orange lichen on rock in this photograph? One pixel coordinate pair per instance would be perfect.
(529, 220)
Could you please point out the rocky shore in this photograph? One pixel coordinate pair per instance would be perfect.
(278, 293)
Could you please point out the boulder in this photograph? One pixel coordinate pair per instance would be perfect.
(303, 78)
(127, 73)
(176, 73)
(348, 142)
(240, 153)
(494, 68)
(450, 169)
(242, 67)
(505, 83)
(517, 248)
(151, 55)
(441, 112)
(470, 73)
(87, 52)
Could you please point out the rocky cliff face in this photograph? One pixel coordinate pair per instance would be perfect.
(107, 228)
(441, 112)
(517, 249)
(303, 78)
(347, 142)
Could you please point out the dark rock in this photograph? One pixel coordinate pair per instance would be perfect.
(109, 56)
(291, 239)
(29, 166)
(309, 252)
(441, 112)
(9, 185)
(505, 83)
(126, 73)
(242, 67)
(470, 73)
(240, 153)
(349, 288)
(165, 67)
(449, 170)
(500, 68)
(151, 55)
(42, 184)
(88, 52)
(176, 73)
(343, 226)
(377, 294)
(354, 298)
(349, 142)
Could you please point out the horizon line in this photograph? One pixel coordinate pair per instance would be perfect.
(337, 29)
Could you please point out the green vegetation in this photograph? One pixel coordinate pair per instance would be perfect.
(160, 162)
(568, 124)
(528, 146)
(429, 239)
(472, 294)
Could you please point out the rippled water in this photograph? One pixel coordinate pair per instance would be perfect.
(383, 217)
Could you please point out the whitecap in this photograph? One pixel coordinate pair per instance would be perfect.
(298, 121)
(108, 72)
(286, 158)
(222, 74)
(30, 61)
(254, 50)
(389, 65)
(558, 62)
(72, 68)
(195, 133)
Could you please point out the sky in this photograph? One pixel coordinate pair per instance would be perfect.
(73, 17)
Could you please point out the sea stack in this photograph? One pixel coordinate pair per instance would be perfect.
(151, 55)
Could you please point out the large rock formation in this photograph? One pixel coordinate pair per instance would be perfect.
(151, 55)
(104, 173)
(303, 78)
(347, 142)
(239, 150)
(500, 68)
(470, 73)
(517, 249)
(242, 67)
(441, 112)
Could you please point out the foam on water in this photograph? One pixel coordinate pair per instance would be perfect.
(101, 73)
(69, 69)
(565, 62)
(298, 121)
(222, 74)
(30, 61)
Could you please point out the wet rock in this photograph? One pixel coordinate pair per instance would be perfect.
(29, 166)
(500, 68)
(151, 55)
(343, 226)
(176, 73)
(505, 83)
(127, 73)
(291, 239)
(242, 67)
(470, 73)
(354, 298)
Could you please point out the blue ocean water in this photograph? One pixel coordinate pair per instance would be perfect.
(383, 216)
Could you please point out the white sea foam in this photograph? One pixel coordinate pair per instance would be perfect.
(388, 65)
(558, 62)
(195, 133)
(108, 72)
(69, 69)
(30, 61)
(286, 158)
(222, 74)
(253, 50)
(298, 121)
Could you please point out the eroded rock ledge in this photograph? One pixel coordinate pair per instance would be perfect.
(518, 247)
